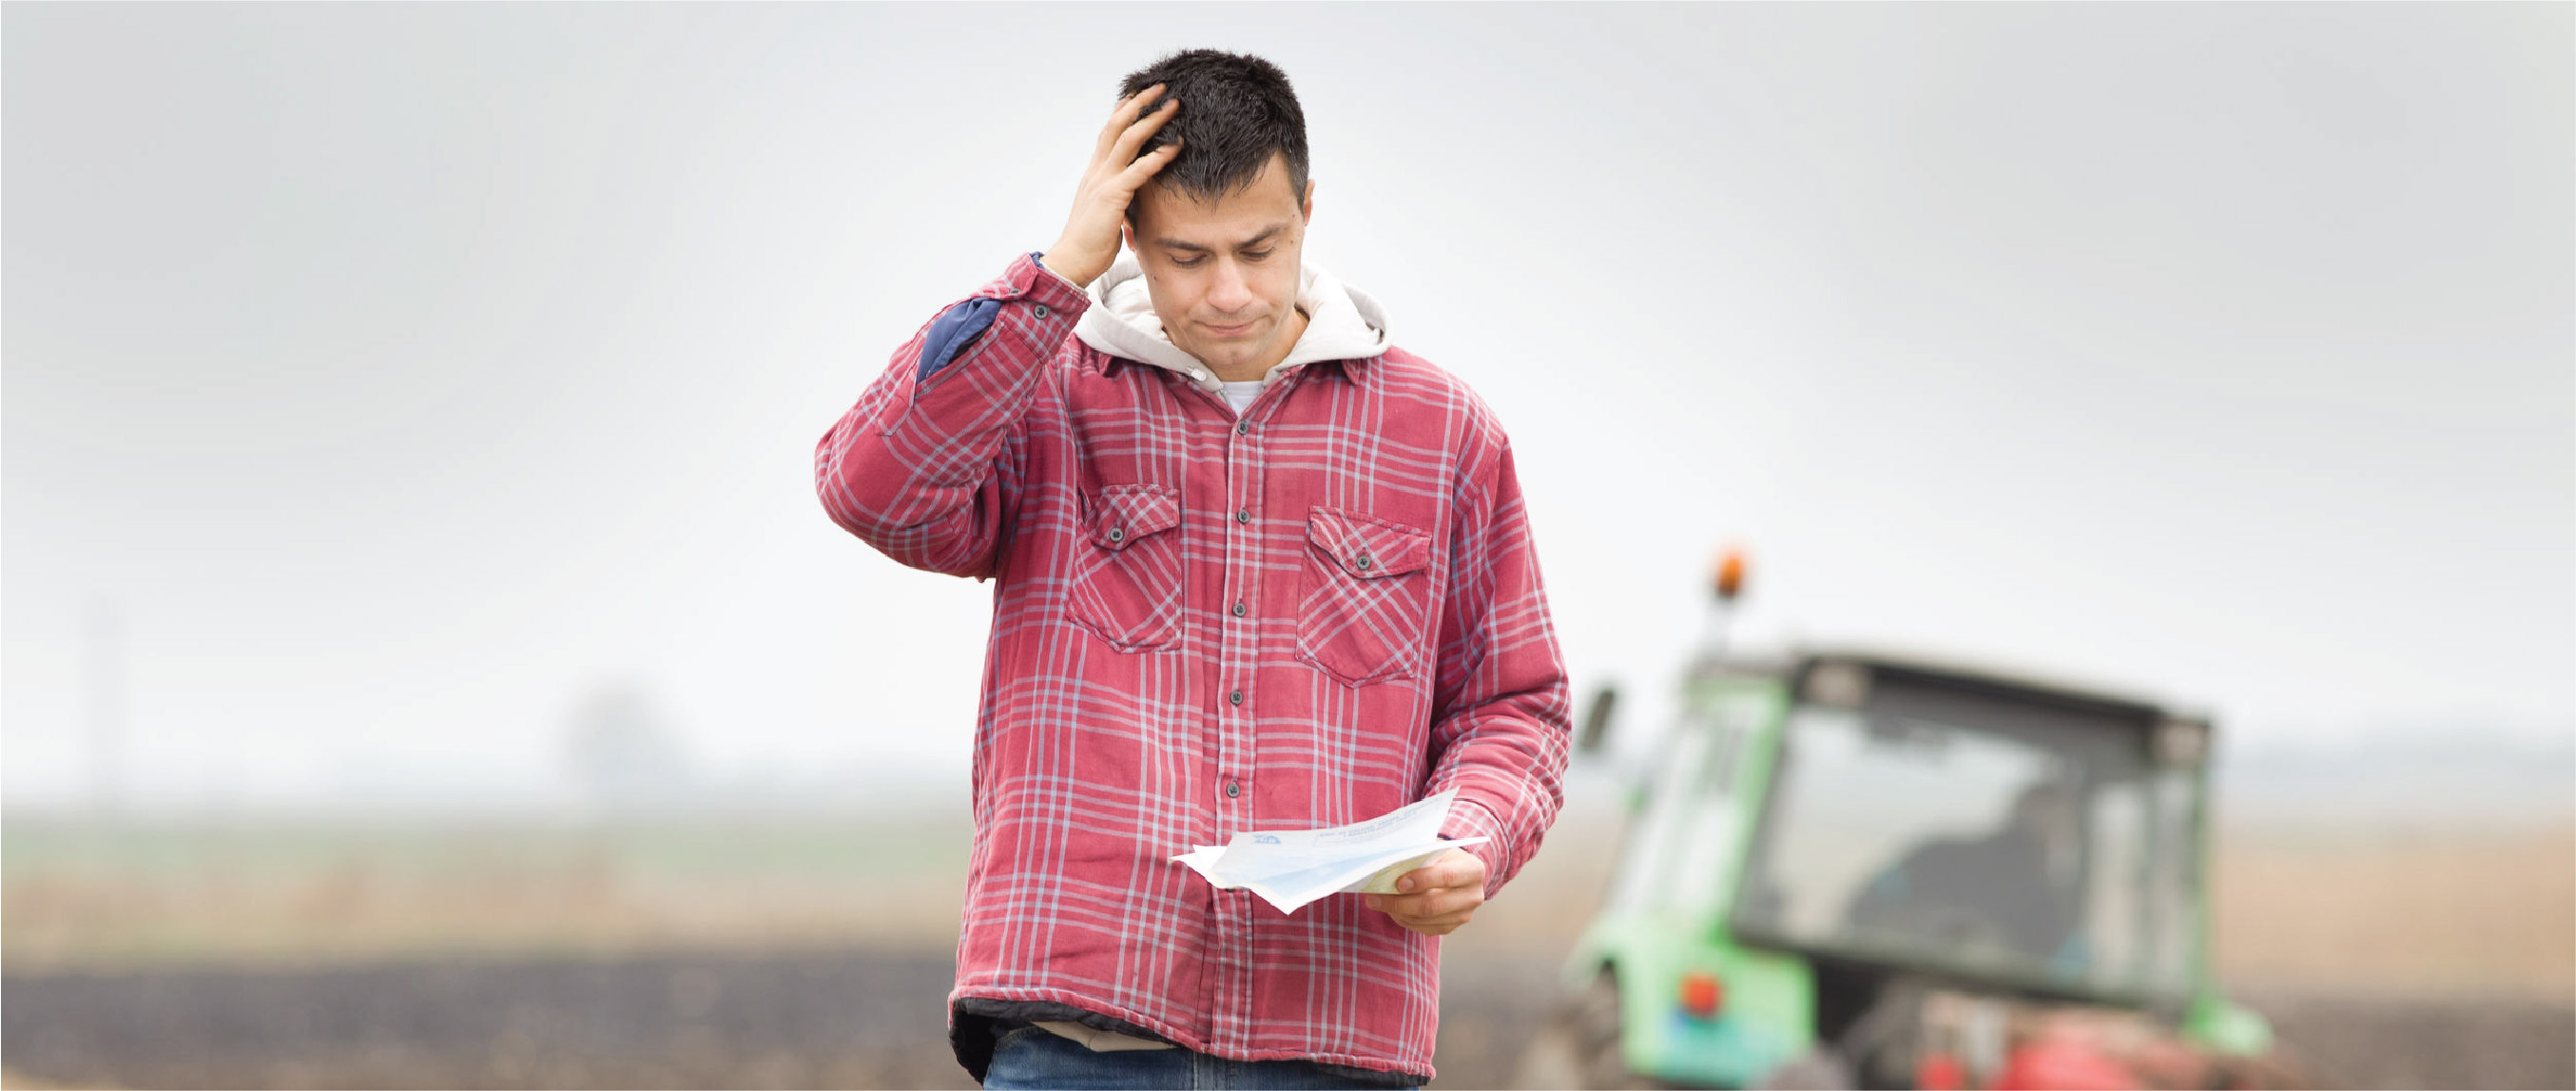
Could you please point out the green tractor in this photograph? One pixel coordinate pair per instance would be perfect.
(1852, 870)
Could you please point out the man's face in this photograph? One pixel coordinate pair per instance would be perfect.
(1223, 274)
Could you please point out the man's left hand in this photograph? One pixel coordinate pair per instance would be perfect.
(1438, 896)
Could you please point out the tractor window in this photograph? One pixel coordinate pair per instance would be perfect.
(1645, 876)
(1710, 828)
(1686, 839)
(2116, 922)
(1976, 831)
(2175, 883)
(1856, 796)
(2139, 924)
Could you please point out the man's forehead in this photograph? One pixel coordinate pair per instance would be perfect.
(1215, 235)
(1232, 218)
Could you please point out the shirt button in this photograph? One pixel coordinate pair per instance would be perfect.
(1243, 516)
(1117, 533)
(1242, 427)
(1363, 562)
(1240, 609)
(1233, 789)
(1234, 698)
(1041, 310)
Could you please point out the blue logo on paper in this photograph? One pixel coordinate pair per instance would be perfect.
(1264, 839)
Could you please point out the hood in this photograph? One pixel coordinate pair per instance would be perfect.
(1342, 323)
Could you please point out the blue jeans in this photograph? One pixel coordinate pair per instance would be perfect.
(1033, 1059)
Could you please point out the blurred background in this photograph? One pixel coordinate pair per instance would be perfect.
(426, 663)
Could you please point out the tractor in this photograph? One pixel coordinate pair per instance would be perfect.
(1850, 869)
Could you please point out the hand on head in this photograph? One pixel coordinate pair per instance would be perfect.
(1090, 240)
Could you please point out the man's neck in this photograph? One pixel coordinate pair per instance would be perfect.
(1289, 335)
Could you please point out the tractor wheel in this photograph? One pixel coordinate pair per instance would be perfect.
(1578, 1046)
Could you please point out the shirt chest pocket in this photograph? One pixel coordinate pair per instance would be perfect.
(1126, 574)
(1365, 601)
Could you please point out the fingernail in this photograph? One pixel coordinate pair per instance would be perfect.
(1405, 885)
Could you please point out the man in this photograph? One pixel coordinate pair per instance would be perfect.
(2016, 887)
(1255, 568)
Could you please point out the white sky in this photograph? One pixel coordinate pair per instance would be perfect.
(407, 373)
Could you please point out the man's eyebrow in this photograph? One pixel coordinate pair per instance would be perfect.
(1191, 247)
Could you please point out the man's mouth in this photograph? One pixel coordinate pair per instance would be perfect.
(1227, 331)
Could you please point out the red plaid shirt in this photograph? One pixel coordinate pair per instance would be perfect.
(1310, 615)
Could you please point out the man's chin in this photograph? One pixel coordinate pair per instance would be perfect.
(1219, 357)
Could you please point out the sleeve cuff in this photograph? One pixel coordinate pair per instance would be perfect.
(1036, 258)
(1029, 279)
(1468, 818)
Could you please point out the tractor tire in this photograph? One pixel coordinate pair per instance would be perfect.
(1819, 1069)
(1578, 1046)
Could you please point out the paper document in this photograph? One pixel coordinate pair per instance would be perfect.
(1290, 868)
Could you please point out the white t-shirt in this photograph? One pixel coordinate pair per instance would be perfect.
(1240, 395)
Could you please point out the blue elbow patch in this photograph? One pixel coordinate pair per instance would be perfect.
(952, 331)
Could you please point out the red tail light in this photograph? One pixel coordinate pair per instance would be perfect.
(1702, 995)
(1940, 1072)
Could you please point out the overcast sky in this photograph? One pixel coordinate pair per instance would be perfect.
(400, 375)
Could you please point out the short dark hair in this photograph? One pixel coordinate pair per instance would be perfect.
(1236, 111)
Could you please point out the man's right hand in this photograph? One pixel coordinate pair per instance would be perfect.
(1090, 240)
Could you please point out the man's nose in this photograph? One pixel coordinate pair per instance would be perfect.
(1229, 293)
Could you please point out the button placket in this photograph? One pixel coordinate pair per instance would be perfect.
(1236, 729)
(1237, 649)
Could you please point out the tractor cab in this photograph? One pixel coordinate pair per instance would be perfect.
(1938, 821)
(1853, 869)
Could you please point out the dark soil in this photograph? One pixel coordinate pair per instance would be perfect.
(874, 1019)
(836, 1019)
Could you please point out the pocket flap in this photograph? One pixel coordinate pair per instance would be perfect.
(1365, 547)
(1121, 514)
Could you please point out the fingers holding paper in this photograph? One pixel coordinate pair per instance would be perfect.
(1292, 868)
(1438, 896)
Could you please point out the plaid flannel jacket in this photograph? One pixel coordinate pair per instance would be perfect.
(1307, 616)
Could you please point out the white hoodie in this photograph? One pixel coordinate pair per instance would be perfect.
(1342, 323)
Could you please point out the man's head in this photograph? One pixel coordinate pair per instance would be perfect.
(2049, 816)
(1221, 229)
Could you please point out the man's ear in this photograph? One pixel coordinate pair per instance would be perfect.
(1306, 208)
(1127, 234)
